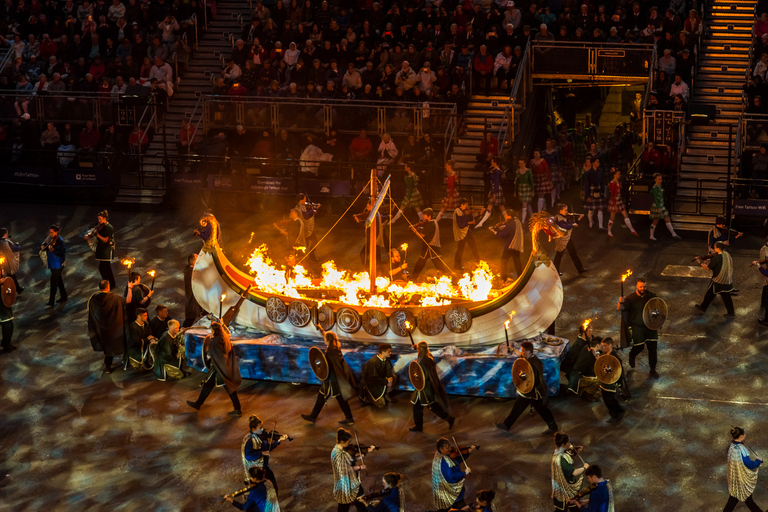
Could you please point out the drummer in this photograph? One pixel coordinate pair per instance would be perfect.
(640, 334)
(608, 388)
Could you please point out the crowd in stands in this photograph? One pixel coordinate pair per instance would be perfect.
(755, 157)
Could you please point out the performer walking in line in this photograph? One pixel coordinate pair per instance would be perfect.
(392, 497)
(9, 250)
(56, 256)
(524, 187)
(582, 340)
(658, 211)
(262, 496)
(616, 203)
(256, 448)
(223, 368)
(447, 476)
(762, 265)
(594, 200)
(106, 323)
(433, 395)
(552, 155)
(104, 234)
(308, 212)
(346, 475)
(536, 398)
(609, 391)
(412, 197)
(496, 193)
(140, 298)
(192, 310)
(462, 233)
(563, 219)
(601, 498)
(452, 196)
(631, 307)
(430, 245)
(721, 265)
(741, 472)
(340, 383)
(721, 233)
(567, 480)
(6, 327)
(378, 378)
(542, 180)
(512, 234)
(582, 380)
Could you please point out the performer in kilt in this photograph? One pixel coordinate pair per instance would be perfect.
(412, 197)
(524, 188)
(566, 221)
(658, 211)
(616, 203)
(433, 395)
(542, 180)
(609, 391)
(256, 447)
(452, 196)
(566, 159)
(496, 193)
(594, 200)
(552, 156)
(346, 477)
(340, 383)
(447, 476)
(566, 479)
(721, 265)
(462, 233)
(741, 473)
(631, 308)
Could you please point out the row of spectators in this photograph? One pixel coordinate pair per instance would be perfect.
(755, 157)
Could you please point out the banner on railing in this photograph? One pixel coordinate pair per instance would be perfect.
(269, 185)
(188, 181)
(750, 207)
(84, 178)
(32, 175)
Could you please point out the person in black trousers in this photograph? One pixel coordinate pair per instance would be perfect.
(562, 219)
(56, 256)
(105, 246)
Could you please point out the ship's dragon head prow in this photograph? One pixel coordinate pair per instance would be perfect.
(543, 222)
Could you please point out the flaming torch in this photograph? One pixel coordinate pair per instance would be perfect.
(152, 273)
(624, 277)
(221, 303)
(128, 262)
(623, 341)
(506, 333)
(2, 262)
(409, 329)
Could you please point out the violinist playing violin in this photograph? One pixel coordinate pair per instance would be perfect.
(720, 233)
(566, 479)
(429, 232)
(346, 475)
(447, 476)
(256, 447)
(262, 497)
(391, 498)
(599, 490)
(483, 502)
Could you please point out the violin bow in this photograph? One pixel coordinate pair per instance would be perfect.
(577, 453)
(360, 451)
(460, 454)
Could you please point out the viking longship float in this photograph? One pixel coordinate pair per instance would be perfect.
(363, 308)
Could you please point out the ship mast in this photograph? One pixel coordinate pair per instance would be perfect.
(372, 233)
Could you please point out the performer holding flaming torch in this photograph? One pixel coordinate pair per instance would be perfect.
(639, 334)
(104, 251)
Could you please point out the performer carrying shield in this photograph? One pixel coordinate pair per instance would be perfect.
(428, 389)
(337, 377)
(8, 291)
(528, 376)
(640, 332)
(106, 323)
(378, 378)
(741, 473)
(610, 372)
(223, 369)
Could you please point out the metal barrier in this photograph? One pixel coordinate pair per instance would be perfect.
(522, 87)
(664, 127)
(600, 62)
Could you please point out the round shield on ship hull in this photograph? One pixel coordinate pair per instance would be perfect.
(348, 320)
(430, 322)
(277, 311)
(326, 317)
(374, 322)
(398, 319)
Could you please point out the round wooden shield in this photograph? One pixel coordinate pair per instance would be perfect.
(458, 319)
(277, 311)
(348, 320)
(655, 313)
(326, 317)
(397, 322)
(8, 290)
(607, 369)
(416, 374)
(522, 376)
(430, 322)
(375, 322)
(319, 363)
(299, 313)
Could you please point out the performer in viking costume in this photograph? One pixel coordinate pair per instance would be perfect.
(392, 497)
(169, 354)
(601, 498)
(378, 377)
(138, 340)
(536, 398)
(308, 212)
(762, 266)
(447, 476)
(567, 480)
(262, 497)
(159, 324)
(256, 447)
(721, 265)
(512, 234)
(140, 298)
(567, 222)
(6, 326)
(462, 233)
(346, 477)
(223, 369)
(433, 395)
(340, 383)
(741, 473)
(720, 233)
(582, 380)
(585, 335)
(631, 308)
(9, 252)
(609, 391)
(106, 323)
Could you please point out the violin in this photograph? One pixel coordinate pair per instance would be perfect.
(271, 434)
(356, 449)
(573, 451)
(375, 495)
(704, 258)
(237, 493)
(584, 492)
(463, 450)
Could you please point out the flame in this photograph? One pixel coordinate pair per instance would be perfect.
(408, 325)
(128, 262)
(301, 249)
(404, 247)
(626, 275)
(223, 296)
(506, 325)
(2, 260)
(151, 273)
(354, 288)
(586, 323)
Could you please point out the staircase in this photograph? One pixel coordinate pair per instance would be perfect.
(723, 61)
(483, 112)
(213, 43)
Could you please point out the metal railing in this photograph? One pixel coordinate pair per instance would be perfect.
(522, 86)
(598, 62)
(5, 58)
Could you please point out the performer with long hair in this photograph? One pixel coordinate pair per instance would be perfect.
(346, 474)
(256, 448)
(567, 480)
(340, 383)
(223, 370)
(433, 395)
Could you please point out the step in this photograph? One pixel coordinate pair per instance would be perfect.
(717, 152)
(706, 194)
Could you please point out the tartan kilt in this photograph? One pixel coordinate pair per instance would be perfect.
(658, 212)
(541, 184)
(594, 203)
(616, 204)
(557, 177)
(524, 192)
(412, 200)
(497, 198)
(567, 173)
(451, 202)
